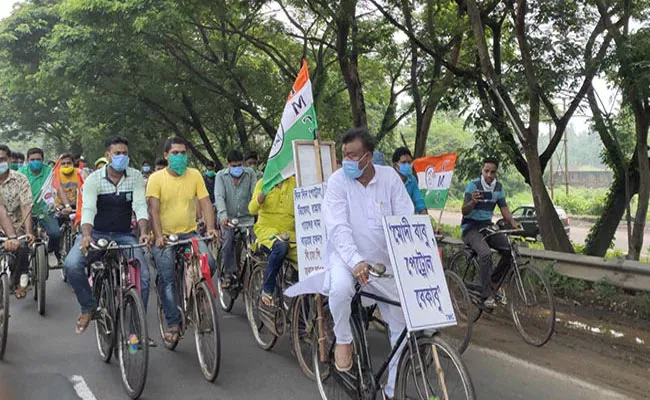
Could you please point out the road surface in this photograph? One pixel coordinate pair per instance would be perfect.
(46, 359)
(579, 231)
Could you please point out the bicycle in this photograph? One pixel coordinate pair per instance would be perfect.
(243, 241)
(428, 367)
(5, 288)
(120, 321)
(68, 236)
(196, 304)
(38, 267)
(527, 288)
(269, 323)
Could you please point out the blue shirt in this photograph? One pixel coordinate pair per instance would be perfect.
(481, 215)
(414, 192)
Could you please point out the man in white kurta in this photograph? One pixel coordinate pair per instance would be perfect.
(358, 196)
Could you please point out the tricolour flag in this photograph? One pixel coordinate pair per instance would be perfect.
(434, 175)
(298, 122)
(47, 193)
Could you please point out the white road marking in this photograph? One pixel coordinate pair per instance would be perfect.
(81, 387)
(604, 393)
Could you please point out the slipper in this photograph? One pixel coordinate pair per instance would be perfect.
(267, 300)
(20, 293)
(82, 322)
(172, 335)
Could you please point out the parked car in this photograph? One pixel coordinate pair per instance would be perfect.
(527, 217)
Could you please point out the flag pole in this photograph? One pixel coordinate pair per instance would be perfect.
(319, 162)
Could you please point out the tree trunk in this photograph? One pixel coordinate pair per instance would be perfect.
(551, 229)
(635, 244)
(601, 234)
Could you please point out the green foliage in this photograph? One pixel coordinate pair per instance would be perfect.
(604, 289)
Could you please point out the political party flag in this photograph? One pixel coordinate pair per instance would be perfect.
(298, 122)
(47, 194)
(434, 175)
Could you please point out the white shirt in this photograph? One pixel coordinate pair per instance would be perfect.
(353, 216)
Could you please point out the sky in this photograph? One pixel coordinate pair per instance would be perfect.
(6, 7)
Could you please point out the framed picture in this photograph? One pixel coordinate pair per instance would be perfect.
(304, 158)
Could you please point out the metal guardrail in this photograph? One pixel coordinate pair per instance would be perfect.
(618, 272)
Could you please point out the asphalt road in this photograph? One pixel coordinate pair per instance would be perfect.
(579, 231)
(46, 359)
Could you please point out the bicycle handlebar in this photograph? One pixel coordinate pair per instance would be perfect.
(19, 238)
(103, 244)
(172, 242)
(509, 232)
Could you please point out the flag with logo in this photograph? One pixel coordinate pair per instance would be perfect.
(298, 122)
(49, 188)
(434, 175)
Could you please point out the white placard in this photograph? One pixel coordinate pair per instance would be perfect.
(310, 229)
(304, 158)
(418, 272)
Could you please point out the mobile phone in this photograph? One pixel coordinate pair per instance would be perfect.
(485, 195)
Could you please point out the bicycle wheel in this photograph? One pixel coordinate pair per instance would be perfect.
(460, 334)
(416, 382)
(104, 323)
(532, 305)
(226, 301)
(41, 276)
(303, 319)
(206, 332)
(469, 274)
(133, 348)
(4, 311)
(263, 335)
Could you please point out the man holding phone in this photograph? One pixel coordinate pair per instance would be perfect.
(481, 197)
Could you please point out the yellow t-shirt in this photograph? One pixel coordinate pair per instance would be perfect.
(70, 184)
(176, 195)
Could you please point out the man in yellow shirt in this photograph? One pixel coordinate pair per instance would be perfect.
(170, 195)
(275, 217)
(70, 181)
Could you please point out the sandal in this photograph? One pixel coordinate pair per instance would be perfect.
(20, 292)
(82, 322)
(172, 335)
(267, 300)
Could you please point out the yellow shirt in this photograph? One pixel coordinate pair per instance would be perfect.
(70, 184)
(275, 215)
(176, 195)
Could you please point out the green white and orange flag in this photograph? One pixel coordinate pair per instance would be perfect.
(434, 175)
(298, 122)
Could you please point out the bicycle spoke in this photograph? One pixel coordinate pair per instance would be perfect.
(532, 305)
(133, 345)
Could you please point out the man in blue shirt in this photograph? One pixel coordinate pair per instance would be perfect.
(402, 160)
(481, 197)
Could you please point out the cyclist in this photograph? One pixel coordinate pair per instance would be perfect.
(358, 196)
(481, 196)
(233, 190)
(17, 195)
(110, 196)
(70, 181)
(252, 162)
(37, 174)
(146, 170)
(20, 159)
(7, 228)
(170, 194)
(402, 160)
(208, 178)
(100, 163)
(161, 163)
(275, 216)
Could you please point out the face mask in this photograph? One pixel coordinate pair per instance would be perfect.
(146, 169)
(13, 166)
(20, 165)
(210, 174)
(237, 171)
(36, 165)
(178, 163)
(67, 170)
(4, 167)
(351, 168)
(119, 162)
(405, 169)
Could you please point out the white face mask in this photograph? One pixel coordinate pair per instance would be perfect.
(488, 187)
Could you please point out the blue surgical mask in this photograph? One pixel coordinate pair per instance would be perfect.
(405, 169)
(351, 168)
(119, 162)
(36, 165)
(237, 171)
(146, 169)
(4, 167)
